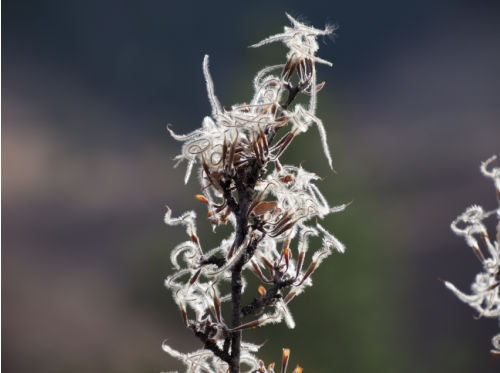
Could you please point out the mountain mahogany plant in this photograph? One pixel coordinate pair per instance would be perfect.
(274, 209)
(485, 297)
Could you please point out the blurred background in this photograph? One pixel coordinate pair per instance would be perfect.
(412, 106)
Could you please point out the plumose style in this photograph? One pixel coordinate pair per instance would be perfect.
(471, 225)
(274, 209)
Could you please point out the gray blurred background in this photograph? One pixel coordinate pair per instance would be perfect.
(412, 106)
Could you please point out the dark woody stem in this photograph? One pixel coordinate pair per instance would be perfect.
(245, 185)
(245, 181)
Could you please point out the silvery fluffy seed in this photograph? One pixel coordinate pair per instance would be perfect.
(484, 297)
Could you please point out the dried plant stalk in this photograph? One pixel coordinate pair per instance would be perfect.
(236, 154)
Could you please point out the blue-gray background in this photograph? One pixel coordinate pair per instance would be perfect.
(411, 107)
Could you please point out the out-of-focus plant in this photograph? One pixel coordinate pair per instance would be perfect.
(274, 209)
(470, 224)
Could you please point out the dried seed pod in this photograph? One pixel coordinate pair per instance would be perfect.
(201, 198)
(184, 314)
(268, 264)
(220, 208)
(287, 139)
(264, 140)
(300, 261)
(283, 220)
(479, 254)
(195, 239)
(301, 70)
(261, 366)
(249, 325)
(282, 120)
(257, 199)
(286, 356)
(207, 171)
(286, 254)
(279, 167)
(280, 141)
(193, 279)
(320, 86)
(256, 269)
(290, 296)
(261, 149)
(217, 307)
(286, 69)
(283, 229)
(311, 268)
(286, 243)
(263, 207)
(255, 150)
(232, 151)
(224, 152)
(293, 67)
(495, 285)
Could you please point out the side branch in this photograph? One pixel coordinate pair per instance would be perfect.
(292, 92)
(212, 346)
(214, 259)
(267, 299)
